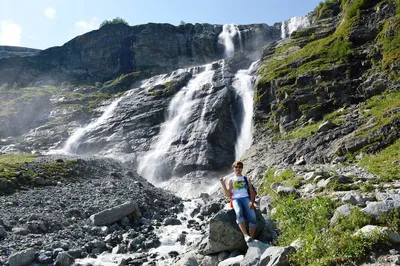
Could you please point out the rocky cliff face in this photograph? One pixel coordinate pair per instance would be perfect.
(326, 74)
(12, 51)
(49, 117)
(117, 49)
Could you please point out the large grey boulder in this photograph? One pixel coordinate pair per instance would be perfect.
(188, 260)
(343, 210)
(276, 256)
(266, 204)
(379, 209)
(63, 259)
(114, 214)
(224, 234)
(253, 254)
(22, 258)
(388, 234)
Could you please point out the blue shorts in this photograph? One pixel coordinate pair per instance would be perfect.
(241, 206)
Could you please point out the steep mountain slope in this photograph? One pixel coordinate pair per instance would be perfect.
(329, 72)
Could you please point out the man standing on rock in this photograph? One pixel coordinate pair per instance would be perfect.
(238, 190)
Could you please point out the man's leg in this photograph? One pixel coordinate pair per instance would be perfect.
(238, 207)
(251, 219)
(252, 231)
(242, 227)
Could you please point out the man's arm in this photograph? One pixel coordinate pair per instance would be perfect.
(226, 189)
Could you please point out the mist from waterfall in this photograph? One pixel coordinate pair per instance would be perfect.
(243, 84)
(226, 38)
(72, 143)
(180, 110)
(293, 24)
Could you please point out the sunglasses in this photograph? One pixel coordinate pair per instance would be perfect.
(238, 167)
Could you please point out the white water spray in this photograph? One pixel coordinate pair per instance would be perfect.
(73, 141)
(226, 38)
(293, 24)
(244, 87)
(180, 111)
(240, 38)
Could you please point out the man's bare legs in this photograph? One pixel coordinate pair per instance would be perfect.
(242, 227)
(253, 232)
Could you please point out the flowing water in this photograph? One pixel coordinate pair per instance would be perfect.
(293, 24)
(226, 38)
(198, 93)
(180, 110)
(244, 87)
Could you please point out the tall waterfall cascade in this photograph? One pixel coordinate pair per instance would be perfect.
(194, 127)
(180, 110)
(293, 24)
(229, 31)
(243, 84)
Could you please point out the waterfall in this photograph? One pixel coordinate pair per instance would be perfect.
(243, 84)
(293, 24)
(226, 38)
(240, 39)
(180, 112)
(73, 141)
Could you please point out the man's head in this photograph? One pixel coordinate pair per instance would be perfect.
(237, 167)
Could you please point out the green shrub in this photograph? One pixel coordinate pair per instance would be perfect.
(116, 20)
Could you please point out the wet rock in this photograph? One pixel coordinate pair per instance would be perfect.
(172, 221)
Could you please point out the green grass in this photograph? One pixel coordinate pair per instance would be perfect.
(300, 132)
(17, 158)
(12, 165)
(123, 81)
(386, 164)
(309, 222)
(287, 177)
(316, 56)
(17, 97)
(308, 130)
(389, 38)
(377, 106)
(325, 9)
(21, 170)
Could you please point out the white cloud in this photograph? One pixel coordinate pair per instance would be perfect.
(83, 26)
(50, 13)
(10, 33)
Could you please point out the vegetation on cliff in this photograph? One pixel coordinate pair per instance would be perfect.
(341, 70)
(330, 55)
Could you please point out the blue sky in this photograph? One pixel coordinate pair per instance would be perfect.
(45, 23)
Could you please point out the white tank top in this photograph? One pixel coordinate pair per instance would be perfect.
(239, 187)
